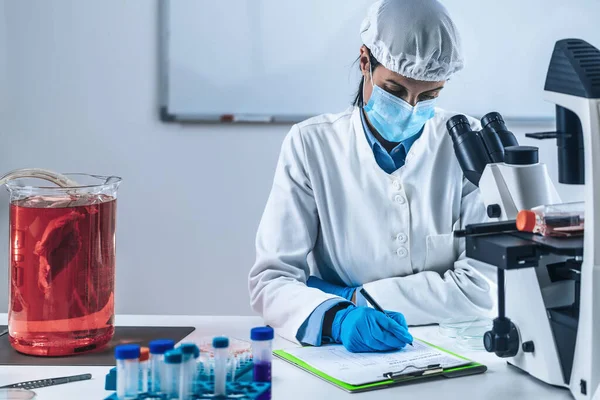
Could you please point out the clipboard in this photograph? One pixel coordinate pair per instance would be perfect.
(392, 378)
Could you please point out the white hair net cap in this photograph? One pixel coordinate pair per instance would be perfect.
(414, 38)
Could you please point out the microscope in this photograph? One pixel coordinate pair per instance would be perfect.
(548, 320)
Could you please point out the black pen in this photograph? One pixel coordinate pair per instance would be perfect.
(375, 305)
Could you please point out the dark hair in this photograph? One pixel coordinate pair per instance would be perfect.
(358, 99)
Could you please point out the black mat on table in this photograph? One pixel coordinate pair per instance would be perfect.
(104, 357)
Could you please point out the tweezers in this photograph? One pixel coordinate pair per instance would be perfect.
(40, 383)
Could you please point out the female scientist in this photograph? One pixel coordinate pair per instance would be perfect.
(369, 199)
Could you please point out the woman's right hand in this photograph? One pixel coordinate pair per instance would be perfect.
(363, 329)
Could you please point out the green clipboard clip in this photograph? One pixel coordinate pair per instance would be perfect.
(420, 371)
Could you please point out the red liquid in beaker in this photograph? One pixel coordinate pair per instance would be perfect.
(62, 268)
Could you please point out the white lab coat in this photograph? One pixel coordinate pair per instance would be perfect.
(391, 233)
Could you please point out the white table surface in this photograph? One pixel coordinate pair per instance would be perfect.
(290, 383)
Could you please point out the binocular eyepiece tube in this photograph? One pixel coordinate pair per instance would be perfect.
(476, 149)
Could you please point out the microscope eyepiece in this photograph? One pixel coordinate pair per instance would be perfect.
(458, 125)
(496, 136)
(468, 147)
(491, 117)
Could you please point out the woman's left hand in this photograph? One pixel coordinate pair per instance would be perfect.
(342, 291)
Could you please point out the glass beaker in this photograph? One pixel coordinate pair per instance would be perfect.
(62, 264)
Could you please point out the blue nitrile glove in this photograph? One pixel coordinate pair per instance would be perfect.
(363, 330)
(330, 288)
(399, 318)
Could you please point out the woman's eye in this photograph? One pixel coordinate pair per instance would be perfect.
(428, 97)
(396, 91)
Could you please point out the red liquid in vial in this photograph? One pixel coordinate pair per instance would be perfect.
(62, 274)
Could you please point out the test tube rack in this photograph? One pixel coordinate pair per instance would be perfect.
(205, 390)
(239, 385)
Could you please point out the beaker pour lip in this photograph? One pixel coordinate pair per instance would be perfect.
(103, 181)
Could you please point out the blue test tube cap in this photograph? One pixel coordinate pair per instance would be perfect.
(173, 357)
(220, 342)
(190, 349)
(262, 333)
(127, 352)
(161, 346)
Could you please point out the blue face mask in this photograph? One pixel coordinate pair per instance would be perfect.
(394, 118)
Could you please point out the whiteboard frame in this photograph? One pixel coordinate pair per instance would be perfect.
(163, 70)
(167, 116)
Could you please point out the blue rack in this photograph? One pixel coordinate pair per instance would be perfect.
(242, 387)
(235, 390)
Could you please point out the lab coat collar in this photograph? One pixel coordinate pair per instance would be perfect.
(366, 152)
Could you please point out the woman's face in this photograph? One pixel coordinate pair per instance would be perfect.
(409, 90)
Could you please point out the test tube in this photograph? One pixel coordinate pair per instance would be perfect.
(262, 355)
(190, 352)
(220, 345)
(170, 383)
(128, 372)
(233, 365)
(144, 369)
(211, 367)
(158, 348)
(196, 372)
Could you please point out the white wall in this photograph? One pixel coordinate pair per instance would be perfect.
(83, 92)
(83, 97)
(5, 149)
(3, 88)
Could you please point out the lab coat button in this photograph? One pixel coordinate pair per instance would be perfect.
(399, 199)
(397, 185)
(402, 252)
(401, 237)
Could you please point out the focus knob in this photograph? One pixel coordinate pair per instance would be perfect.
(503, 339)
(528, 347)
(494, 211)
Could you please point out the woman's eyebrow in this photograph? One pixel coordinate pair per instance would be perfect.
(434, 90)
(393, 82)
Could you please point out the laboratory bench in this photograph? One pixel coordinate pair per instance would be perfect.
(501, 381)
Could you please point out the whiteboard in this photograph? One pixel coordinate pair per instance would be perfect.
(273, 60)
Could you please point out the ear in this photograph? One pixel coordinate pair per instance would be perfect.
(365, 61)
